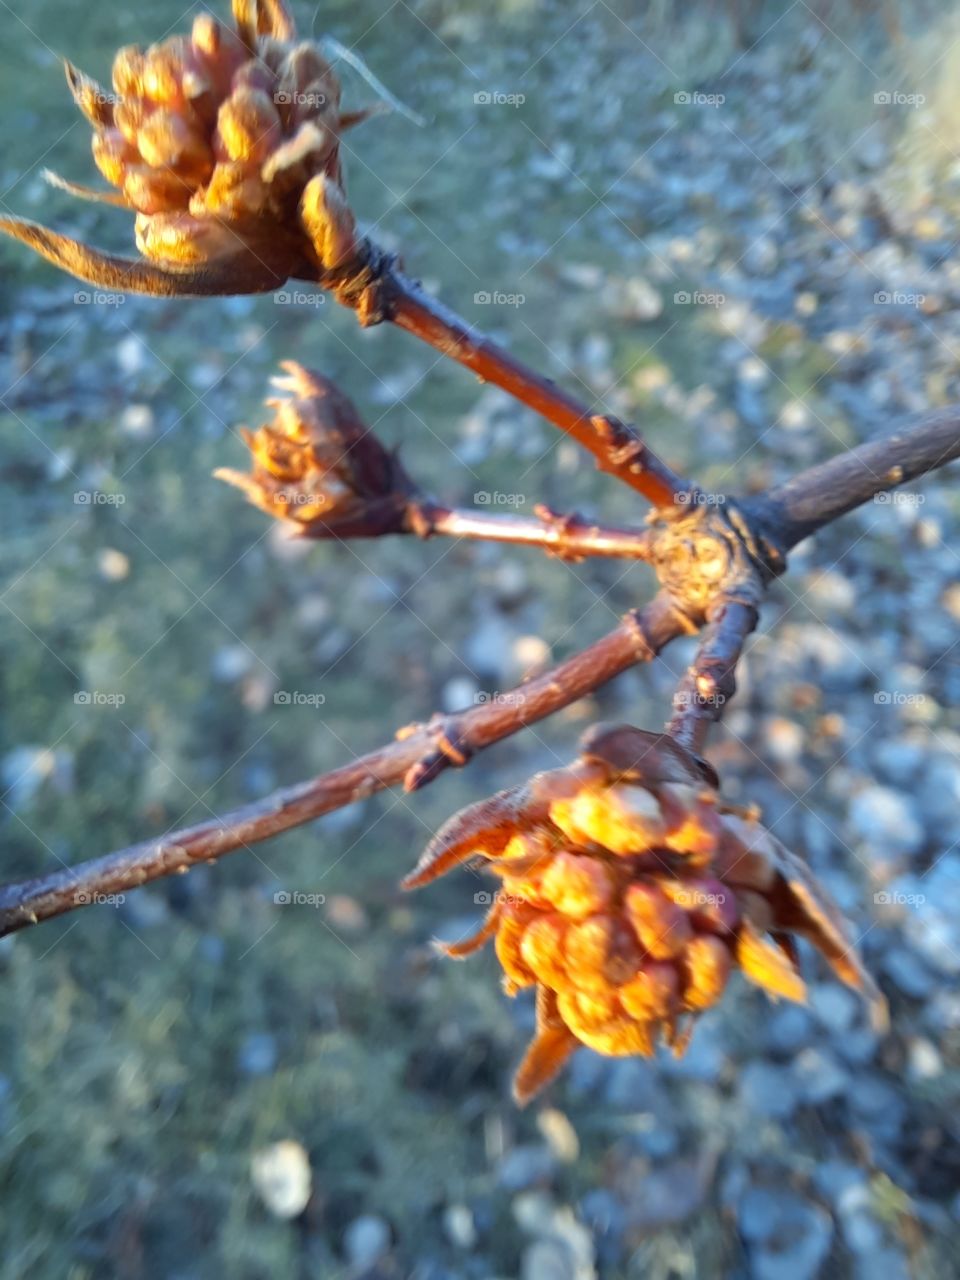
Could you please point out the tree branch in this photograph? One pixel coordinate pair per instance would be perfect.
(565, 536)
(618, 449)
(637, 639)
(794, 510)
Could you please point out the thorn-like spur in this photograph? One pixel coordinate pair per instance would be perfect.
(484, 828)
(475, 941)
(550, 1048)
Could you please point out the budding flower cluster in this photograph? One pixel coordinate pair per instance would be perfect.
(226, 143)
(317, 465)
(630, 895)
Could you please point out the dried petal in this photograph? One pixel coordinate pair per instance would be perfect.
(765, 964)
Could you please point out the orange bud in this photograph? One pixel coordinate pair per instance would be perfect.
(706, 963)
(662, 928)
(651, 995)
(576, 885)
(542, 950)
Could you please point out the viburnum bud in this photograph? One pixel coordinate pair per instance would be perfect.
(630, 895)
(317, 465)
(226, 144)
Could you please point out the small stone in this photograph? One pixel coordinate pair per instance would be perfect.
(924, 1061)
(282, 1177)
(768, 1089)
(819, 1076)
(884, 818)
(366, 1241)
(547, 1260)
(783, 739)
(137, 421)
(231, 663)
(114, 566)
(560, 1135)
(524, 1167)
(459, 693)
(907, 972)
(258, 1054)
(459, 1225)
(834, 1007)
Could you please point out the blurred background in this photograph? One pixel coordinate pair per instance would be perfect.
(736, 227)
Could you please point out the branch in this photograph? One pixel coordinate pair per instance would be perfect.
(618, 449)
(637, 639)
(565, 536)
(796, 509)
(711, 681)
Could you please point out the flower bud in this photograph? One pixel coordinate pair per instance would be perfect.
(634, 894)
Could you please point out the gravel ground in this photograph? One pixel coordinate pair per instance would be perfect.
(752, 254)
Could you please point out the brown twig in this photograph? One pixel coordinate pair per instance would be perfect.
(618, 449)
(794, 510)
(711, 680)
(638, 638)
(568, 537)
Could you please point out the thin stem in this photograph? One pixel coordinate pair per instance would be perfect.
(568, 537)
(617, 448)
(637, 639)
(711, 680)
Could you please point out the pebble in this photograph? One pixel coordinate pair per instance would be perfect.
(366, 1240)
(767, 1089)
(525, 1166)
(885, 819)
(282, 1178)
(258, 1054)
